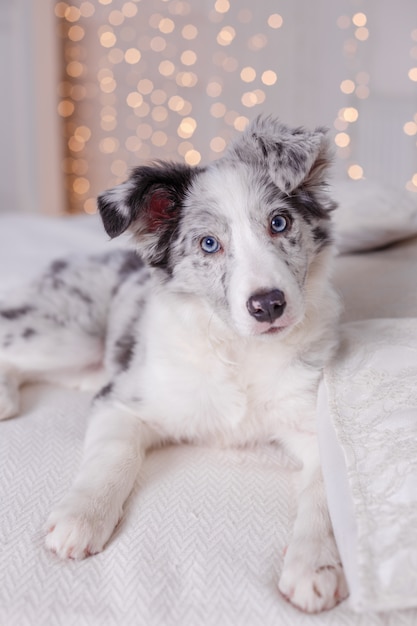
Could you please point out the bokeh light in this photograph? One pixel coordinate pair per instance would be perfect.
(166, 80)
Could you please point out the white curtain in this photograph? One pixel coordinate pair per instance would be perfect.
(31, 147)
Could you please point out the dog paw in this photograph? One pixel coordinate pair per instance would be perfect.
(312, 578)
(316, 590)
(9, 397)
(77, 528)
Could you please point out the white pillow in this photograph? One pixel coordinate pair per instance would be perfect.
(372, 215)
(367, 412)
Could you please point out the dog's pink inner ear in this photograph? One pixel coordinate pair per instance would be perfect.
(159, 210)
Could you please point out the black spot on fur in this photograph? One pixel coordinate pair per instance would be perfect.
(124, 350)
(321, 236)
(17, 313)
(132, 263)
(55, 319)
(52, 277)
(223, 280)
(305, 204)
(53, 274)
(272, 193)
(28, 333)
(104, 391)
(79, 293)
(299, 130)
(58, 266)
(262, 145)
(279, 149)
(295, 160)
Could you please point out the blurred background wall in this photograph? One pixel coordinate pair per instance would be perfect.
(91, 88)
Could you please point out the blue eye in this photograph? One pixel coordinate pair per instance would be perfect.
(279, 223)
(209, 245)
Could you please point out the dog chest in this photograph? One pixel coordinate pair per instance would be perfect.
(186, 390)
(198, 385)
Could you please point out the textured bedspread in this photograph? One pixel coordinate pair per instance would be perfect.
(202, 540)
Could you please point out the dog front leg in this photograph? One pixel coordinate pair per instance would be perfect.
(84, 520)
(312, 578)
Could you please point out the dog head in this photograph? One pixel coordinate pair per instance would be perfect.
(247, 235)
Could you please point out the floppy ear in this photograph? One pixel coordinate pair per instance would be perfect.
(294, 156)
(149, 205)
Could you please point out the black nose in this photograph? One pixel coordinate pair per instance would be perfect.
(267, 307)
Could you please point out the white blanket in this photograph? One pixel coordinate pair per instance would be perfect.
(202, 540)
(367, 411)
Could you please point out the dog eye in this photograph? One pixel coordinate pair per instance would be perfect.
(279, 223)
(210, 245)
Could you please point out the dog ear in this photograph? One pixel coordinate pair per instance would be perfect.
(149, 205)
(294, 156)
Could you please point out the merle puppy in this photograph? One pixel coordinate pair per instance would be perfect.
(215, 328)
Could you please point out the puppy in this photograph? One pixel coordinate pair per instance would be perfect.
(215, 329)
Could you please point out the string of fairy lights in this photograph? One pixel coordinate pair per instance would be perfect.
(410, 126)
(143, 80)
(355, 88)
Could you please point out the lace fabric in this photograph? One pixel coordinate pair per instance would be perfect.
(368, 410)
